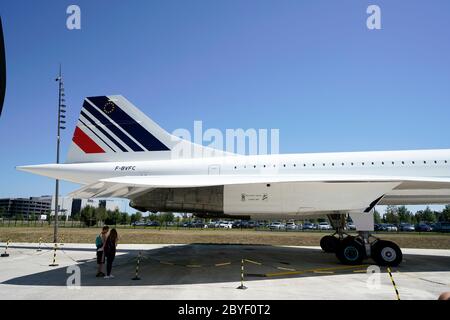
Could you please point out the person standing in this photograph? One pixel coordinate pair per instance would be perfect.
(110, 251)
(100, 243)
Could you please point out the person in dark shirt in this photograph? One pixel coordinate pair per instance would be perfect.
(110, 251)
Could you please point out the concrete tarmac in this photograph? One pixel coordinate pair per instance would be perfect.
(207, 271)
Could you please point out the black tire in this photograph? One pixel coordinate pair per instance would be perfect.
(350, 251)
(386, 253)
(329, 244)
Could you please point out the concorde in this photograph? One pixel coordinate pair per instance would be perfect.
(117, 151)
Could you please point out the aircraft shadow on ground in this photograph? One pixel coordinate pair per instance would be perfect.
(206, 263)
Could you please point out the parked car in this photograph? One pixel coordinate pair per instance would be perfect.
(380, 227)
(324, 226)
(210, 225)
(238, 224)
(197, 224)
(291, 226)
(276, 226)
(138, 223)
(252, 224)
(308, 226)
(442, 227)
(351, 226)
(152, 224)
(391, 227)
(406, 227)
(226, 224)
(423, 227)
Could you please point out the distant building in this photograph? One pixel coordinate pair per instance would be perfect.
(45, 205)
(96, 203)
(25, 207)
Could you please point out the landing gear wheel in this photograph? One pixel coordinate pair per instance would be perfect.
(329, 244)
(350, 251)
(386, 253)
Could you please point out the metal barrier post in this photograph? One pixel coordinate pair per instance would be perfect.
(393, 283)
(242, 276)
(136, 277)
(40, 241)
(6, 254)
(54, 264)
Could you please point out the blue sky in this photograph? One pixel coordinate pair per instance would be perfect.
(309, 68)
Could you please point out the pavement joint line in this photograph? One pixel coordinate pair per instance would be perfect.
(222, 264)
(287, 269)
(254, 262)
(423, 279)
(313, 270)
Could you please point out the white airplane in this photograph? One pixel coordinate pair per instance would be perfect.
(117, 151)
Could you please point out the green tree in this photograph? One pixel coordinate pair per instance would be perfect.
(100, 214)
(124, 218)
(427, 215)
(404, 214)
(113, 217)
(138, 216)
(391, 215)
(87, 216)
(376, 217)
(135, 217)
(166, 217)
(445, 216)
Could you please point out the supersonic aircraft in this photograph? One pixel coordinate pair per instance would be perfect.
(117, 151)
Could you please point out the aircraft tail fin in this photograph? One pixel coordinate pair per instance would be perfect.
(110, 128)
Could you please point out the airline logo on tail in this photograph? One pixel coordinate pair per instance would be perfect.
(102, 121)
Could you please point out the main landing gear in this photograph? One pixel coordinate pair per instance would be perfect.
(352, 250)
